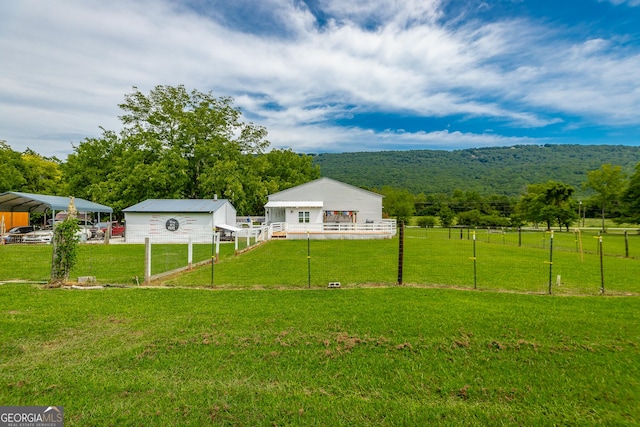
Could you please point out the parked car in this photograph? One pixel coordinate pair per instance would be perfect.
(86, 226)
(100, 229)
(16, 234)
(46, 235)
(39, 236)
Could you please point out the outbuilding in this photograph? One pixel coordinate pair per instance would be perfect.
(177, 220)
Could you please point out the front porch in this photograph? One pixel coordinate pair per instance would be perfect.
(384, 229)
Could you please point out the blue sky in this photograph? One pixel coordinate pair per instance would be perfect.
(331, 75)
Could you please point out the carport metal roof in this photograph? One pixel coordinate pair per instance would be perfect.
(27, 202)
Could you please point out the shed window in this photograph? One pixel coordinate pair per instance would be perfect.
(303, 217)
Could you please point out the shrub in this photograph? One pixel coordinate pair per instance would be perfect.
(65, 249)
(427, 222)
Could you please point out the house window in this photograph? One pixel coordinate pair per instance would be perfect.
(303, 217)
(339, 216)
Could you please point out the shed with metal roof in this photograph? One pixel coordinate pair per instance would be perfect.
(177, 220)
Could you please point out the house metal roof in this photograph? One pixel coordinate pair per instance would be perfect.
(177, 205)
(321, 181)
(294, 204)
(26, 202)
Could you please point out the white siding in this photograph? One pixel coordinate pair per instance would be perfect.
(195, 225)
(336, 196)
(198, 226)
(293, 214)
(225, 215)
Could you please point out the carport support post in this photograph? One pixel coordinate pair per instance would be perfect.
(147, 261)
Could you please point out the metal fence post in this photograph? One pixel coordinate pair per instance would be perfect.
(308, 261)
(400, 252)
(550, 261)
(475, 276)
(601, 266)
(519, 236)
(626, 244)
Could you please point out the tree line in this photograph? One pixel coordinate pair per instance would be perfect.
(488, 170)
(610, 194)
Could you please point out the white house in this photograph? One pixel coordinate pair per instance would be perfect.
(177, 220)
(326, 208)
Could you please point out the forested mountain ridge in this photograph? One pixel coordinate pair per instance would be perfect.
(494, 170)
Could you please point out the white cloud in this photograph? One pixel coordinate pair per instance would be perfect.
(67, 64)
(627, 2)
(372, 13)
(323, 138)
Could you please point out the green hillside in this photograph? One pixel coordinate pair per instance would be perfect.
(496, 170)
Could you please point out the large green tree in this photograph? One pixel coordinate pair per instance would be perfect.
(43, 175)
(180, 144)
(548, 203)
(397, 203)
(11, 178)
(29, 171)
(608, 182)
(630, 199)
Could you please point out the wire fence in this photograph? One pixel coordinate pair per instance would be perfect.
(528, 260)
(532, 260)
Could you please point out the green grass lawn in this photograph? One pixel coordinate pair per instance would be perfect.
(383, 356)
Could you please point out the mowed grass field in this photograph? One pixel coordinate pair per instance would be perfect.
(362, 356)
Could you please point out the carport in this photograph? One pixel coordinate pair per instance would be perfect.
(27, 202)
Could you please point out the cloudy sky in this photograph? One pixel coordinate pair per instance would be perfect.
(331, 75)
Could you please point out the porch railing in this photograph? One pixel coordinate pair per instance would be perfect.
(383, 227)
